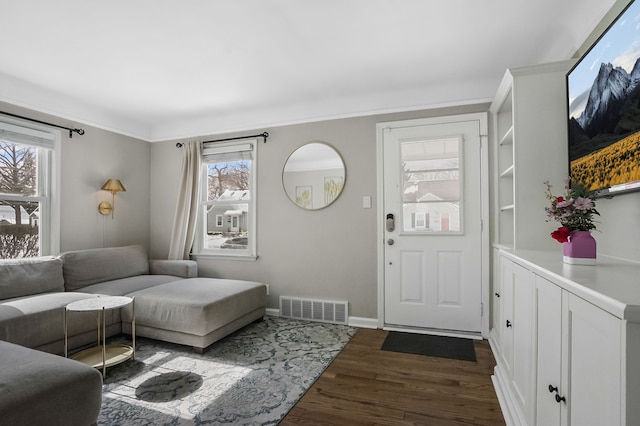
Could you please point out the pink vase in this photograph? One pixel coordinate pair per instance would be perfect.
(581, 249)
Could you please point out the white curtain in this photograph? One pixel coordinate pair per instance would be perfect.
(184, 222)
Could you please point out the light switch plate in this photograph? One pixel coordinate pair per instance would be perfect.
(366, 202)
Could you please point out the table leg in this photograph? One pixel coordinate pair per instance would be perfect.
(98, 328)
(64, 320)
(133, 327)
(104, 346)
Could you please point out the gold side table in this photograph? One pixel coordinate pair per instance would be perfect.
(102, 355)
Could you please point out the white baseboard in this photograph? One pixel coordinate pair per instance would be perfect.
(363, 322)
(274, 312)
(353, 321)
(502, 400)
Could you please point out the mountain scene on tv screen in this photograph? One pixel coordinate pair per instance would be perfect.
(604, 141)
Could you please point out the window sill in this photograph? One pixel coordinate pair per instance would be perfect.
(219, 256)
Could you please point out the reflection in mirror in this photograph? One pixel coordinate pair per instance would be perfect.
(313, 176)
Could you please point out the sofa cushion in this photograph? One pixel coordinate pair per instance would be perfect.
(27, 276)
(82, 268)
(178, 268)
(124, 286)
(37, 321)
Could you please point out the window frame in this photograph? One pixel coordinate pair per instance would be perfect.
(199, 246)
(48, 142)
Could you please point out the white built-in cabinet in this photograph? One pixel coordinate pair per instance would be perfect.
(566, 338)
(529, 147)
(579, 360)
(515, 377)
(568, 352)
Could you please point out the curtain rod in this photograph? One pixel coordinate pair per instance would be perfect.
(263, 135)
(71, 131)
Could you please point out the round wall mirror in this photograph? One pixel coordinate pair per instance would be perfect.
(314, 175)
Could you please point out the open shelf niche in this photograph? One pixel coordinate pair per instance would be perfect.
(529, 144)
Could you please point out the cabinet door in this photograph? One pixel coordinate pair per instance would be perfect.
(549, 308)
(594, 365)
(524, 338)
(517, 345)
(496, 307)
(506, 326)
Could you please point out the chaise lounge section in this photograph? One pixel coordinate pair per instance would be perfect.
(195, 311)
(189, 311)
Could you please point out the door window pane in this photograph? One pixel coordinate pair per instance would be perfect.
(431, 185)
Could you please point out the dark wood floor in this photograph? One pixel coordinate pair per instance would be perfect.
(367, 386)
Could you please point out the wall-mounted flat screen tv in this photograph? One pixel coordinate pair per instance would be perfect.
(604, 109)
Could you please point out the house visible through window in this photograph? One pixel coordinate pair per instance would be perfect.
(227, 213)
(432, 185)
(28, 225)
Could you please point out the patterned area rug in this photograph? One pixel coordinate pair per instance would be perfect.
(252, 377)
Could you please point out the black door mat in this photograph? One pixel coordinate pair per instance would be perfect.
(424, 344)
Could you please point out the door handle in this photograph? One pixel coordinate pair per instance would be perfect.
(391, 223)
(559, 398)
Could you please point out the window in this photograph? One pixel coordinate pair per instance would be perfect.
(420, 220)
(432, 185)
(226, 220)
(28, 211)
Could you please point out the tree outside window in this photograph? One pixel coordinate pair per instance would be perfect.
(19, 206)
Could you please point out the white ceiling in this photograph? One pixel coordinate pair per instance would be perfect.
(165, 69)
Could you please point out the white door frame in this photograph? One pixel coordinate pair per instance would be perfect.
(482, 118)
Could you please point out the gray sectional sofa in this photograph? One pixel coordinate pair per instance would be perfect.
(171, 302)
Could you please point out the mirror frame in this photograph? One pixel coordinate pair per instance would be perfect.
(292, 197)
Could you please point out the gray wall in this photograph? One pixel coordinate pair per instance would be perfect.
(618, 227)
(329, 253)
(86, 164)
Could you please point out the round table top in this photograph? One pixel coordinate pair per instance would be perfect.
(99, 303)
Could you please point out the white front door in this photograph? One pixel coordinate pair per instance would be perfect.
(235, 223)
(432, 212)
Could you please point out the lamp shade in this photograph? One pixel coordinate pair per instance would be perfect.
(113, 185)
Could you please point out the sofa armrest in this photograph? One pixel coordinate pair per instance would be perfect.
(178, 268)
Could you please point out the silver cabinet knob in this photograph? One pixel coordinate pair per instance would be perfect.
(390, 241)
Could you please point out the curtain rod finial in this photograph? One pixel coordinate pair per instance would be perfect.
(78, 131)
